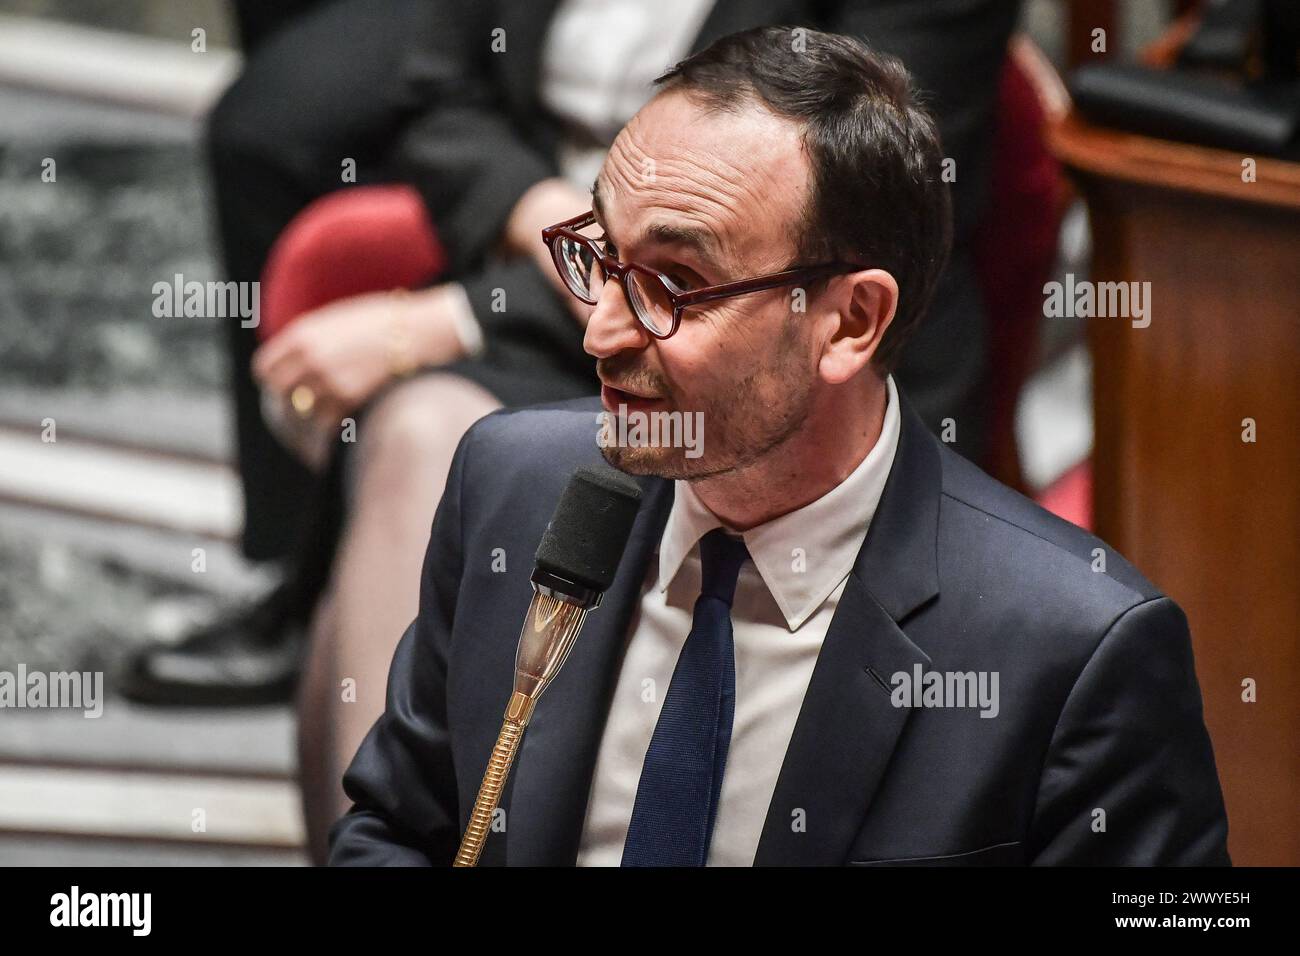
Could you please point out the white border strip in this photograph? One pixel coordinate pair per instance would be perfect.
(107, 65)
(69, 475)
(150, 806)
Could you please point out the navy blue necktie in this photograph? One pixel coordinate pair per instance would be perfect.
(677, 797)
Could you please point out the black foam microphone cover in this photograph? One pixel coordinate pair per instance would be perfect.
(587, 534)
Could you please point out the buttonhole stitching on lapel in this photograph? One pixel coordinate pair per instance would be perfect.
(879, 680)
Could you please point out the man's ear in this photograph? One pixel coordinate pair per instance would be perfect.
(865, 302)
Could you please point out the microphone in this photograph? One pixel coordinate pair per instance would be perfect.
(576, 561)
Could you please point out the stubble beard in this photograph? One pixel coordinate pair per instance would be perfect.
(736, 433)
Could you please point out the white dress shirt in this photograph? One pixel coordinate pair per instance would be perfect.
(598, 63)
(785, 599)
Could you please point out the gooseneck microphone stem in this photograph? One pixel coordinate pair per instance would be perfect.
(576, 562)
(553, 621)
(494, 779)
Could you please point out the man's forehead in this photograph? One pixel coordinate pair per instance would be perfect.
(686, 175)
(671, 230)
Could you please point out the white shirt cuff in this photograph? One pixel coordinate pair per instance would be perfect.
(467, 328)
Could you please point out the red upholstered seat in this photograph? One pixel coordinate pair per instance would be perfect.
(1014, 249)
(362, 239)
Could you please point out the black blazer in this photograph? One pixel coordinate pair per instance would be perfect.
(1099, 704)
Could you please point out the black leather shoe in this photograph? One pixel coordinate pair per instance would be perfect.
(252, 657)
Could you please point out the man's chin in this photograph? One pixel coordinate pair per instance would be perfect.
(669, 463)
(641, 461)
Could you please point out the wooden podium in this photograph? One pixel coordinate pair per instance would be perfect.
(1211, 518)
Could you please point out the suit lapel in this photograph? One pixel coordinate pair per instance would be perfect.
(843, 739)
(553, 772)
(847, 726)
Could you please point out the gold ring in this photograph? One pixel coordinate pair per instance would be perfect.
(303, 400)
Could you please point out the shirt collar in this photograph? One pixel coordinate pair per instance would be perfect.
(802, 556)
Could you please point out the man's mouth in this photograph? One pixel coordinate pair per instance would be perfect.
(611, 397)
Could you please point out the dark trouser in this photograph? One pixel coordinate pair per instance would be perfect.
(314, 91)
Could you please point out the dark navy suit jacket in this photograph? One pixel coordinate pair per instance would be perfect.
(1098, 753)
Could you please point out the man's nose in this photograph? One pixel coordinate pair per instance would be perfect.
(613, 327)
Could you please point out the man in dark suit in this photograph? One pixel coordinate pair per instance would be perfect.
(890, 657)
(450, 98)
(479, 106)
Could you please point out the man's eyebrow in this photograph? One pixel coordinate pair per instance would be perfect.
(702, 242)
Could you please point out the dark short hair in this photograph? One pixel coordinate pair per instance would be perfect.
(876, 197)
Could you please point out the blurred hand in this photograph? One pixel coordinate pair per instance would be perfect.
(346, 351)
(544, 204)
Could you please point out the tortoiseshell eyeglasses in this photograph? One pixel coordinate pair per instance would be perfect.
(656, 300)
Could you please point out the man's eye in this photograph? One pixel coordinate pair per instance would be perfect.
(611, 250)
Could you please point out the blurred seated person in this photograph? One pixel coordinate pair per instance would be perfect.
(500, 114)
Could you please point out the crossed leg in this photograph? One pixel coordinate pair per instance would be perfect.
(404, 451)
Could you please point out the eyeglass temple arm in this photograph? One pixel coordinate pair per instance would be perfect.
(760, 284)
